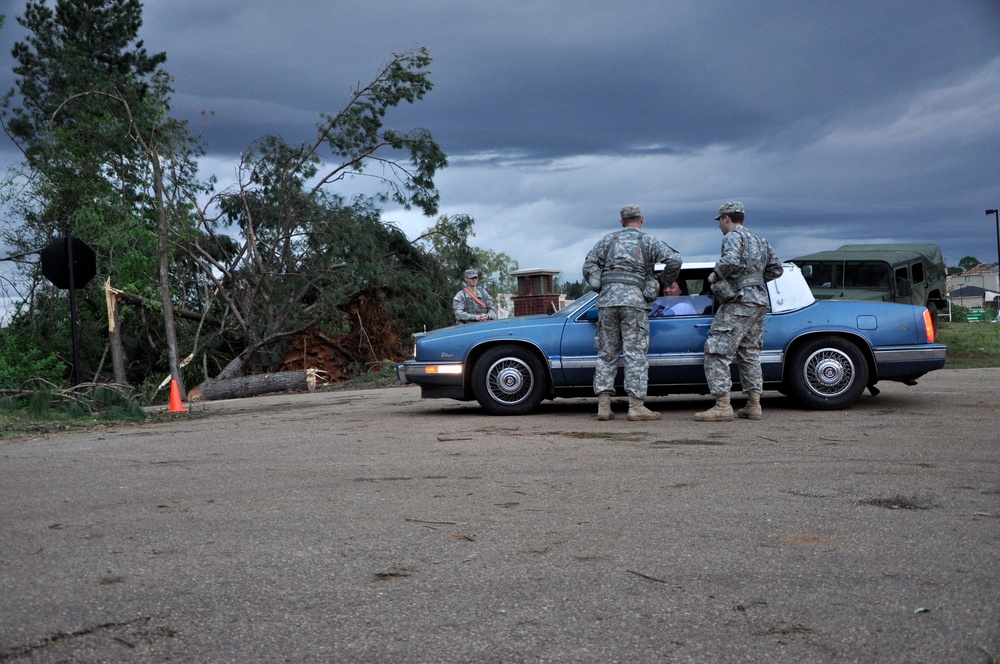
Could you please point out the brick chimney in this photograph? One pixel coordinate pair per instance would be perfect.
(535, 292)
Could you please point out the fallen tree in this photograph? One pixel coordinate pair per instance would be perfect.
(314, 357)
(256, 385)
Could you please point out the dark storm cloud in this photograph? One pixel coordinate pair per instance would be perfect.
(554, 79)
(835, 122)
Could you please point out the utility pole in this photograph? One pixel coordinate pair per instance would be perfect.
(996, 218)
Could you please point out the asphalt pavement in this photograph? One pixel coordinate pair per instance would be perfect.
(373, 526)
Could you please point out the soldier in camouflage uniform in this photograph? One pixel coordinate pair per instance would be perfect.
(473, 303)
(621, 268)
(746, 264)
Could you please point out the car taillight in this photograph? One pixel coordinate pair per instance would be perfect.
(929, 326)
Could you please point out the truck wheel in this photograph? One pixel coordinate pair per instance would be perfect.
(828, 373)
(509, 380)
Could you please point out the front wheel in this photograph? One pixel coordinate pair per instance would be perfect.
(509, 380)
(828, 373)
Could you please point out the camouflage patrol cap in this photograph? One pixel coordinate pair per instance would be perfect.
(729, 208)
(471, 272)
(630, 212)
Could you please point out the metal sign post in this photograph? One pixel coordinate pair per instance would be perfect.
(69, 263)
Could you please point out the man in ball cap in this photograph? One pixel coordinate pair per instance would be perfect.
(621, 268)
(473, 303)
(738, 281)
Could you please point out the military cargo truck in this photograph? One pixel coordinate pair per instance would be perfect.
(907, 273)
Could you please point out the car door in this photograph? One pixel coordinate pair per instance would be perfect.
(578, 357)
(676, 348)
(676, 345)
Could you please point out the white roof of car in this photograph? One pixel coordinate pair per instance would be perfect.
(788, 292)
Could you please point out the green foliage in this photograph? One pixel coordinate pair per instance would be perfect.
(495, 267)
(572, 289)
(959, 314)
(355, 134)
(307, 254)
(114, 405)
(83, 81)
(46, 409)
(968, 263)
(89, 110)
(20, 362)
(39, 406)
(448, 242)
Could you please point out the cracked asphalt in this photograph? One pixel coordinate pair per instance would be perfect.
(373, 526)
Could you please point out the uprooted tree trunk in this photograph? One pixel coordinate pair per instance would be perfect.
(372, 337)
(252, 386)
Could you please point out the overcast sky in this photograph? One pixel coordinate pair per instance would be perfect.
(833, 122)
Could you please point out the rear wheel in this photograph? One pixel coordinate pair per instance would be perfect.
(509, 380)
(828, 373)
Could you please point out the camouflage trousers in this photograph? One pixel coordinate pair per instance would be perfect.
(738, 329)
(622, 331)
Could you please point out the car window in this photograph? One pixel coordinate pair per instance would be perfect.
(681, 305)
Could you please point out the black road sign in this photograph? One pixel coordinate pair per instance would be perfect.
(56, 265)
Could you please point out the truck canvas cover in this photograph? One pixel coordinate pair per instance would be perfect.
(904, 273)
(891, 253)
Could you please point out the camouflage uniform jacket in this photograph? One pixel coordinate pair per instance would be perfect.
(747, 255)
(618, 266)
(466, 308)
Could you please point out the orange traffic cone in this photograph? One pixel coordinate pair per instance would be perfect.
(176, 406)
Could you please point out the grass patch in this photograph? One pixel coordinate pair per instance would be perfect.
(971, 345)
(48, 410)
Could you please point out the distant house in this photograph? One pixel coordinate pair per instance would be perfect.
(986, 277)
(973, 296)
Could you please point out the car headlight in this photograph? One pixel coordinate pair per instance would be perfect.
(443, 369)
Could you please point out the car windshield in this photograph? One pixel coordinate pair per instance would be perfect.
(576, 305)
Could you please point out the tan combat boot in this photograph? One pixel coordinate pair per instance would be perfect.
(604, 407)
(722, 411)
(637, 412)
(752, 410)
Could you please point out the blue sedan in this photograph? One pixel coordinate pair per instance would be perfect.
(823, 353)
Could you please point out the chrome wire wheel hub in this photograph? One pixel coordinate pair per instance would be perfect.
(829, 372)
(509, 381)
